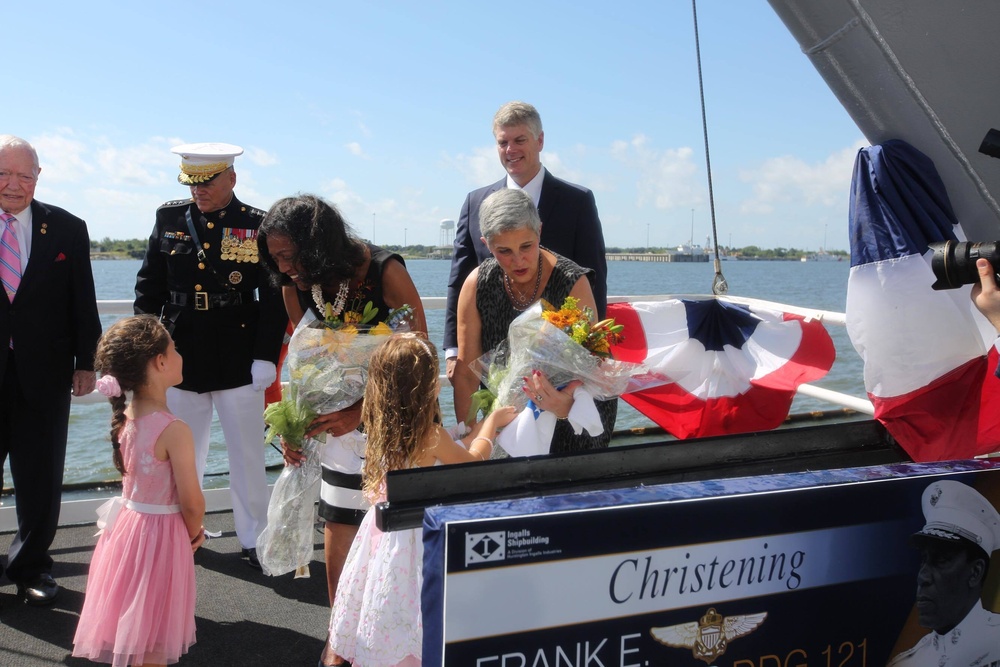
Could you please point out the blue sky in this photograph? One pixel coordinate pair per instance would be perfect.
(385, 108)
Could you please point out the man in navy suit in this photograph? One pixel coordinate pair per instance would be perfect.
(49, 328)
(570, 224)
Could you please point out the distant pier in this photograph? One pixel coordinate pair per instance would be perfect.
(656, 257)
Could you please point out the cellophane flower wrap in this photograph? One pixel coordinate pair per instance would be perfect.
(327, 369)
(561, 343)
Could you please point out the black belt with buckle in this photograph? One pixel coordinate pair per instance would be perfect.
(207, 300)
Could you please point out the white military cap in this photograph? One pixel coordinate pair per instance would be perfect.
(200, 163)
(954, 511)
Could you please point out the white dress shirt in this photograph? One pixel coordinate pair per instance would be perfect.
(532, 187)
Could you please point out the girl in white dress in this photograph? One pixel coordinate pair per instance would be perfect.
(376, 614)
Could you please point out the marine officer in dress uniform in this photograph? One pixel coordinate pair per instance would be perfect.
(202, 276)
(962, 529)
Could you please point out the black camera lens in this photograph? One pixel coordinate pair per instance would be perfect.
(954, 262)
(991, 144)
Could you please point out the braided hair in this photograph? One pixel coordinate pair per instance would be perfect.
(124, 352)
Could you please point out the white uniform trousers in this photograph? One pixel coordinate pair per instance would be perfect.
(241, 414)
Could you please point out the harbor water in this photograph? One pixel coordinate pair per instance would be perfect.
(819, 285)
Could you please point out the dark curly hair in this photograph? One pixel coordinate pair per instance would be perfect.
(328, 250)
(124, 351)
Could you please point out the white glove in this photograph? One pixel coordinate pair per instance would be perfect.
(262, 374)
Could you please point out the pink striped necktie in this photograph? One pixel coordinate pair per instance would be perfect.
(10, 256)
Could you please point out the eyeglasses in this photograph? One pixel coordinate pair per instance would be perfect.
(24, 179)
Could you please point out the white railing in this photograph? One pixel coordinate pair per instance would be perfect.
(82, 511)
(862, 405)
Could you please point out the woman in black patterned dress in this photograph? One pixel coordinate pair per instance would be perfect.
(520, 273)
(311, 252)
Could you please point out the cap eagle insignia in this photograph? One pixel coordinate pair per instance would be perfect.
(709, 637)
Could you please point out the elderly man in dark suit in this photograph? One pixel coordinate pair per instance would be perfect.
(49, 328)
(570, 224)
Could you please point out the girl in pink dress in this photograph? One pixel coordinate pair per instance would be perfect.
(376, 613)
(139, 604)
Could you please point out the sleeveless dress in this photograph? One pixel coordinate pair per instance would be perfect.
(376, 619)
(140, 598)
(341, 499)
(497, 312)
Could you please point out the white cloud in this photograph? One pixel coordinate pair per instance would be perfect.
(387, 220)
(62, 157)
(788, 181)
(126, 214)
(146, 164)
(354, 148)
(365, 132)
(479, 168)
(67, 157)
(665, 179)
(260, 157)
(554, 163)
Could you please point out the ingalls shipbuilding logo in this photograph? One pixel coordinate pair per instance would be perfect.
(505, 545)
(485, 547)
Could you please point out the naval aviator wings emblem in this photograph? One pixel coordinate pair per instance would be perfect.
(709, 637)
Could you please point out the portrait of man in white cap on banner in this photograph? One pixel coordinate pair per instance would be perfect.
(961, 531)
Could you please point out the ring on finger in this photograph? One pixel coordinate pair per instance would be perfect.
(538, 397)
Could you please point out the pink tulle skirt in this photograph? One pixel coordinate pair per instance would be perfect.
(139, 604)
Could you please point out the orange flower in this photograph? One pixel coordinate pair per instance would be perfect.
(559, 318)
(575, 322)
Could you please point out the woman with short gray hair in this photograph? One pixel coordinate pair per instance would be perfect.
(520, 273)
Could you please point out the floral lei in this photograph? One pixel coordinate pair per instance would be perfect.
(339, 302)
(335, 315)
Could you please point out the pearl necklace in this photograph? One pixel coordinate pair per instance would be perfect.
(339, 302)
(518, 302)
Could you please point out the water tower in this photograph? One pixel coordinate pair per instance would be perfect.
(447, 233)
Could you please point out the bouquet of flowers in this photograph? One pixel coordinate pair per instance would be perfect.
(288, 418)
(564, 345)
(328, 369)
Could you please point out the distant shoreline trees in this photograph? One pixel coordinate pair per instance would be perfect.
(107, 248)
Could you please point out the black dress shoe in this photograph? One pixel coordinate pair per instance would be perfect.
(250, 556)
(40, 591)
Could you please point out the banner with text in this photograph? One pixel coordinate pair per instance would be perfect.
(815, 569)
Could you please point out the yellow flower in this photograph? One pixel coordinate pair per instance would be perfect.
(334, 339)
(380, 329)
(600, 346)
(351, 317)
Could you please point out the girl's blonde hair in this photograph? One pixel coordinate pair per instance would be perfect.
(124, 351)
(400, 411)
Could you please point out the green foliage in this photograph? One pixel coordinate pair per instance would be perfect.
(136, 249)
(119, 249)
(288, 419)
